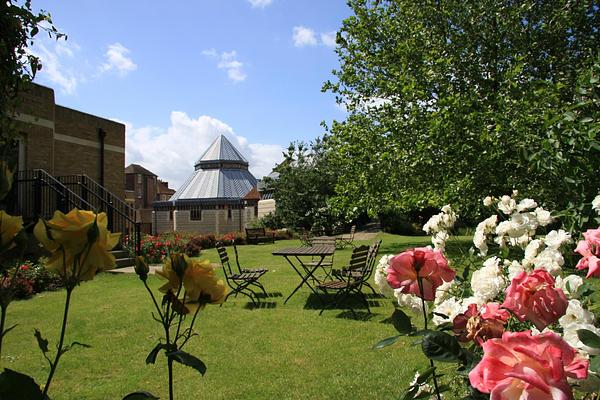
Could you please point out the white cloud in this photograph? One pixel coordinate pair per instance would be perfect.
(171, 153)
(303, 36)
(117, 59)
(229, 62)
(51, 54)
(328, 39)
(260, 3)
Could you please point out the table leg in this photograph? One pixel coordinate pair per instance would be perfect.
(306, 277)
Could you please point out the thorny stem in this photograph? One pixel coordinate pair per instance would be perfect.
(59, 351)
(421, 291)
(154, 300)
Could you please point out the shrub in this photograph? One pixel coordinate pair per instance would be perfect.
(156, 248)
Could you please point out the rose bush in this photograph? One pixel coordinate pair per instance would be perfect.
(529, 318)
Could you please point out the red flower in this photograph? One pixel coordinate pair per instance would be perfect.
(523, 366)
(422, 262)
(480, 325)
(533, 297)
(590, 250)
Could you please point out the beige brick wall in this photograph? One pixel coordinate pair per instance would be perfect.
(74, 158)
(265, 207)
(64, 141)
(161, 222)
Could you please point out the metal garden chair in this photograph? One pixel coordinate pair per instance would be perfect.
(346, 284)
(239, 282)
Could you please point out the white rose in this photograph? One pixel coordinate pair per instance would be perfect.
(443, 291)
(488, 282)
(596, 203)
(409, 301)
(570, 336)
(531, 251)
(551, 260)
(543, 217)
(526, 204)
(514, 268)
(439, 240)
(575, 314)
(555, 239)
(569, 285)
(446, 209)
(381, 274)
(450, 307)
(488, 201)
(507, 205)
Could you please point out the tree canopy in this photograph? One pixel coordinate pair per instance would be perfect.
(448, 101)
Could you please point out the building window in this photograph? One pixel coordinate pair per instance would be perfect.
(196, 214)
(229, 213)
(139, 193)
(170, 215)
(140, 179)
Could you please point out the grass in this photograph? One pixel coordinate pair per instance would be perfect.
(276, 351)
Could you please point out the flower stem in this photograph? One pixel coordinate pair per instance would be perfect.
(435, 383)
(3, 308)
(59, 351)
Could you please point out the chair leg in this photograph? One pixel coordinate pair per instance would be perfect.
(256, 283)
(367, 284)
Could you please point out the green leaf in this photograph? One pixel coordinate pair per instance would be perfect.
(595, 364)
(401, 321)
(187, 359)
(15, 385)
(589, 338)
(440, 346)
(386, 342)
(140, 396)
(42, 343)
(151, 359)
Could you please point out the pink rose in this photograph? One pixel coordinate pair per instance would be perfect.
(480, 325)
(590, 250)
(523, 366)
(533, 297)
(423, 262)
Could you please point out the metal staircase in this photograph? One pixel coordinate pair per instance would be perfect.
(36, 194)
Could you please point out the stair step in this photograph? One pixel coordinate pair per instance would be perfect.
(124, 262)
(120, 253)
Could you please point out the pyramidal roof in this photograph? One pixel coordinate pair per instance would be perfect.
(220, 173)
(222, 150)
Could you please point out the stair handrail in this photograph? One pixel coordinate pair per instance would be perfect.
(129, 211)
(52, 183)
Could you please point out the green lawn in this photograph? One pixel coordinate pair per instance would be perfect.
(278, 351)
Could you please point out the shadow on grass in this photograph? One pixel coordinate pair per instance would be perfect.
(315, 302)
(269, 295)
(356, 315)
(261, 305)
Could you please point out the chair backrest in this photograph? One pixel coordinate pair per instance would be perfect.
(237, 258)
(359, 259)
(324, 241)
(373, 251)
(224, 260)
(352, 231)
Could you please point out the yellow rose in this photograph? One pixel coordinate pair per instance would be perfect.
(200, 283)
(9, 228)
(79, 242)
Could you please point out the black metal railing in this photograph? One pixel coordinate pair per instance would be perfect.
(121, 216)
(37, 194)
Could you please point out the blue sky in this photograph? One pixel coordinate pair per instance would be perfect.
(178, 74)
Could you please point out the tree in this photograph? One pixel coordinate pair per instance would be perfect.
(447, 100)
(18, 27)
(305, 184)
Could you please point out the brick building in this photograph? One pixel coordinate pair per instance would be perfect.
(219, 197)
(63, 141)
(142, 188)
